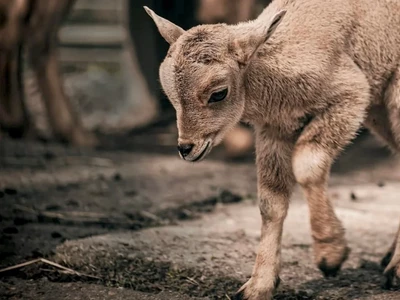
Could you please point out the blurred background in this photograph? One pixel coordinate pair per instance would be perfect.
(109, 55)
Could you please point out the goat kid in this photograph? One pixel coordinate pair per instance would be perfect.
(307, 75)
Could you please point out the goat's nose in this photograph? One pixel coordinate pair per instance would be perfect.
(185, 149)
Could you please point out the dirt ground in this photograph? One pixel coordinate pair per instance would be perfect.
(132, 221)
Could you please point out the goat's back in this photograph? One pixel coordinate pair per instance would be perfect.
(315, 33)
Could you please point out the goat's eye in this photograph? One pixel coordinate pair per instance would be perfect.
(218, 96)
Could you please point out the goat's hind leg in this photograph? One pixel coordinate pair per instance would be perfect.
(392, 98)
(384, 121)
(317, 147)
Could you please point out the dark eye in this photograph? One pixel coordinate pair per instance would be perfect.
(218, 96)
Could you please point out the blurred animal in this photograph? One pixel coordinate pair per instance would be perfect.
(231, 12)
(32, 25)
(307, 75)
(225, 11)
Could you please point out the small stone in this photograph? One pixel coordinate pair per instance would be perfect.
(36, 253)
(10, 191)
(381, 184)
(353, 196)
(132, 256)
(228, 197)
(309, 292)
(53, 207)
(18, 221)
(56, 235)
(66, 187)
(131, 193)
(117, 177)
(201, 259)
(48, 155)
(11, 230)
(72, 203)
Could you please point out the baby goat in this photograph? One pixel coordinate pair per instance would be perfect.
(307, 75)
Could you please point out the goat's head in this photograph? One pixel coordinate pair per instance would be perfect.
(203, 77)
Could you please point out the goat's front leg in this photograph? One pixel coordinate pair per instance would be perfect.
(275, 183)
(64, 120)
(42, 47)
(317, 147)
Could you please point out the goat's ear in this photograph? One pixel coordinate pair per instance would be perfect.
(169, 31)
(260, 36)
(276, 20)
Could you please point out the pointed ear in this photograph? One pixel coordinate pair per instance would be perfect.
(276, 20)
(169, 31)
(261, 35)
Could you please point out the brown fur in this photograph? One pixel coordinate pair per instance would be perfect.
(33, 25)
(306, 80)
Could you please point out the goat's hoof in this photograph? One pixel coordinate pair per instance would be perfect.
(327, 270)
(238, 296)
(392, 273)
(331, 260)
(254, 290)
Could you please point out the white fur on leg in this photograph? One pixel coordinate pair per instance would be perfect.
(310, 164)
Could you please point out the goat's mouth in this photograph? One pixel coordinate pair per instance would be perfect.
(202, 153)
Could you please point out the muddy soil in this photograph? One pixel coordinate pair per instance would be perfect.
(54, 199)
